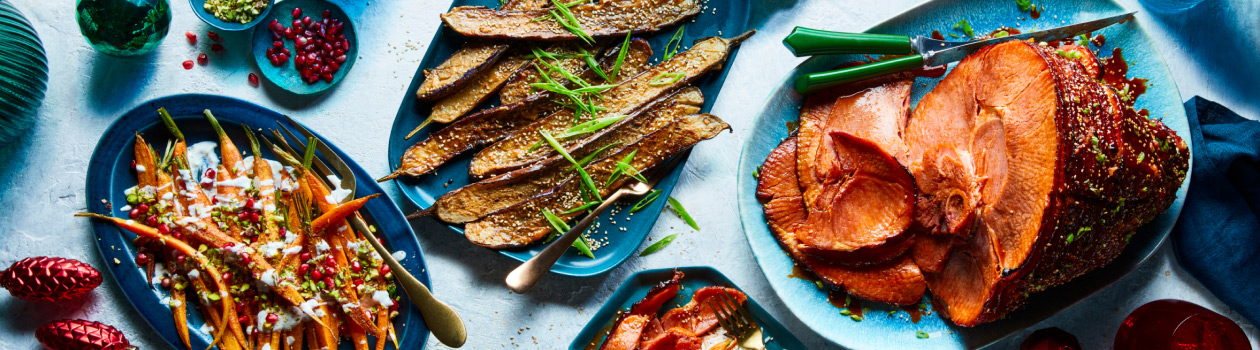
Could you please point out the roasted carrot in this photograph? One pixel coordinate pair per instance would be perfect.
(357, 336)
(340, 212)
(180, 308)
(228, 152)
(146, 166)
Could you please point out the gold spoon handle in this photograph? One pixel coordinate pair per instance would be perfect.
(441, 319)
(528, 274)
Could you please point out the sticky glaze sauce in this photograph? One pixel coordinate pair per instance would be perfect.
(915, 312)
(841, 300)
(936, 34)
(1036, 12)
(1098, 40)
(1115, 74)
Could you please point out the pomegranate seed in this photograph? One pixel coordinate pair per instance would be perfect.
(188, 64)
(300, 41)
(302, 269)
(271, 51)
(228, 245)
(275, 35)
(213, 36)
(289, 33)
(249, 203)
(135, 213)
(166, 282)
(144, 208)
(253, 217)
(345, 43)
(299, 60)
(329, 271)
(326, 13)
(192, 37)
(180, 259)
(274, 25)
(272, 318)
(242, 319)
(306, 20)
(283, 57)
(305, 256)
(142, 259)
(326, 19)
(275, 60)
(394, 306)
(151, 220)
(277, 44)
(216, 47)
(317, 275)
(226, 275)
(354, 266)
(164, 229)
(177, 235)
(334, 66)
(202, 59)
(308, 33)
(358, 282)
(340, 58)
(245, 259)
(242, 215)
(297, 12)
(327, 77)
(253, 79)
(328, 281)
(384, 269)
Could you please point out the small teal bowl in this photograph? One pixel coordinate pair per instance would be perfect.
(286, 76)
(199, 7)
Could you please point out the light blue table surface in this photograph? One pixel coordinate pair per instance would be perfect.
(1211, 50)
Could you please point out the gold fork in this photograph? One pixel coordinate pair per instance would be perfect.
(441, 319)
(737, 321)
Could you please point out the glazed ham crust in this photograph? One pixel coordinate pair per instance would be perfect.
(1054, 172)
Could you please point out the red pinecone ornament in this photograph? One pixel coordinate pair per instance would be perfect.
(81, 335)
(49, 279)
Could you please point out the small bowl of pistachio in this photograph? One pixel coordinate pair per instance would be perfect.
(232, 15)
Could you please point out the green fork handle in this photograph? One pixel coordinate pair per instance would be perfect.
(813, 82)
(810, 42)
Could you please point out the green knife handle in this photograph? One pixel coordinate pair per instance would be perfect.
(813, 82)
(809, 42)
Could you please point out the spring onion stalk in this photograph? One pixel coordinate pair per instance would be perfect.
(675, 42)
(560, 227)
(621, 56)
(647, 199)
(659, 244)
(666, 79)
(682, 213)
(586, 177)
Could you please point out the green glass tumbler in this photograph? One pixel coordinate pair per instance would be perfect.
(123, 28)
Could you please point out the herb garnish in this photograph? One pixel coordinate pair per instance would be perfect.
(586, 177)
(621, 56)
(1069, 54)
(560, 227)
(624, 168)
(590, 61)
(675, 42)
(647, 199)
(1001, 33)
(1024, 5)
(565, 18)
(659, 244)
(586, 206)
(966, 28)
(921, 335)
(584, 128)
(666, 79)
(682, 213)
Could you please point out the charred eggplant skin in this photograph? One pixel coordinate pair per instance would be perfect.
(602, 19)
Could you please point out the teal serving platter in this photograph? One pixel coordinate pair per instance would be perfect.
(731, 20)
(637, 286)
(887, 327)
(198, 7)
(286, 76)
(109, 173)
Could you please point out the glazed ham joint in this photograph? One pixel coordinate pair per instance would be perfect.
(1021, 170)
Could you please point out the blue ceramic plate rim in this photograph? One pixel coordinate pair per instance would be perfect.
(637, 285)
(623, 244)
(286, 76)
(198, 7)
(815, 312)
(109, 161)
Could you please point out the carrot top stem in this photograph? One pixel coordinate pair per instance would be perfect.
(170, 124)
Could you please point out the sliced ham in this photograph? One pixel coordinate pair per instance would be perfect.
(696, 317)
(1034, 172)
(862, 216)
(895, 282)
(627, 333)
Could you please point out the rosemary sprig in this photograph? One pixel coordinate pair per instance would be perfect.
(560, 227)
(675, 42)
(682, 213)
(586, 177)
(659, 244)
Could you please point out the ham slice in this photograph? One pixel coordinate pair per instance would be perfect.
(1034, 172)
(895, 282)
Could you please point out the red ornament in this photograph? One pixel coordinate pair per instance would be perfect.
(81, 335)
(49, 279)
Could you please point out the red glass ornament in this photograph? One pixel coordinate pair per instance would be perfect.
(49, 279)
(1171, 324)
(81, 335)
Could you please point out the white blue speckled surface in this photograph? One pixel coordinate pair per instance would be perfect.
(41, 179)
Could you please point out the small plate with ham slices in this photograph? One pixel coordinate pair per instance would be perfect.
(668, 309)
(1035, 179)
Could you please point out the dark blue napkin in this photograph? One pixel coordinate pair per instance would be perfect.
(1217, 237)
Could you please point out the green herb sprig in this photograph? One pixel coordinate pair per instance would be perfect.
(621, 57)
(674, 43)
(666, 79)
(647, 199)
(659, 244)
(560, 227)
(586, 177)
(584, 128)
(966, 28)
(682, 213)
(561, 14)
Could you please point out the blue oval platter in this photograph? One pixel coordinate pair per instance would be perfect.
(695, 277)
(731, 19)
(896, 331)
(109, 174)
